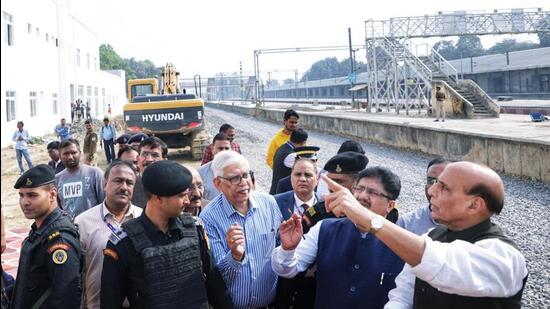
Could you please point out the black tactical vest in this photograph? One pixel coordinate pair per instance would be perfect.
(173, 273)
(426, 296)
(30, 287)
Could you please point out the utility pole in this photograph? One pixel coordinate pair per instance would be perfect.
(241, 80)
(296, 84)
(352, 68)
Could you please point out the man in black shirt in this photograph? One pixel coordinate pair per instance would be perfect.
(159, 259)
(48, 275)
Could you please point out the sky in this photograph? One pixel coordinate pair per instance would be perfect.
(211, 36)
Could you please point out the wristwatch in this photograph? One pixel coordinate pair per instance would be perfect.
(376, 224)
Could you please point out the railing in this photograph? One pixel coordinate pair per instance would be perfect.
(415, 63)
(436, 59)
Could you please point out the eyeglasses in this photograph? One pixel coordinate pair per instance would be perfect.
(154, 155)
(235, 180)
(197, 186)
(370, 192)
(430, 181)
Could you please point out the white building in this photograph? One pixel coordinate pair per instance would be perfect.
(50, 59)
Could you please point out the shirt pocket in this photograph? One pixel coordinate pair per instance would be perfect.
(268, 242)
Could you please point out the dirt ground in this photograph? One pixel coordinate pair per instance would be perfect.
(13, 217)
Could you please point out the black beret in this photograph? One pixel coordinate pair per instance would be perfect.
(53, 145)
(309, 152)
(166, 178)
(123, 139)
(347, 162)
(37, 176)
(137, 138)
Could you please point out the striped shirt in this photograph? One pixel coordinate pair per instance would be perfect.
(252, 283)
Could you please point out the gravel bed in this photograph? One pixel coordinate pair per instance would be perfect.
(525, 217)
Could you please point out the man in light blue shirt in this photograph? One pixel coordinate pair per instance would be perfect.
(63, 130)
(107, 139)
(420, 221)
(21, 137)
(220, 143)
(242, 227)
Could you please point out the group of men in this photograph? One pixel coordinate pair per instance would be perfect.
(155, 234)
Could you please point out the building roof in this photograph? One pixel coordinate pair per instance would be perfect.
(518, 60)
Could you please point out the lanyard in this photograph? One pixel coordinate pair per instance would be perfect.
(114, 231)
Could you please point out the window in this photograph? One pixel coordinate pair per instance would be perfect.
(47, 37)
(32, 100)
(80, 91)
(10, 105)
(89, 91)
(88, 60)
(96, 91)
(95, 64)
(78, 57)
(29, 28)
(8, 28)
(54, 103)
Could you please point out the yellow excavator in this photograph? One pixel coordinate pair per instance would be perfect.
(175, 117)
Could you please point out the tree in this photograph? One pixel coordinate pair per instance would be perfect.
(544, 37)
(469, 46)
(446, 49)
(110, 60)
(509, 45)
(288, 81)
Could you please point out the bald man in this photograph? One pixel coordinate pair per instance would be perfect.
(466, 263)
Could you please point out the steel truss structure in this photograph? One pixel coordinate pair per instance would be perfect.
(258, 83)
(401, 77)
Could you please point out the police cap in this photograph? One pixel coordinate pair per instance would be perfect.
(166, 178)
(348, 162)
(37, 176)
(123, 139)
(308, 152)
(137, 138)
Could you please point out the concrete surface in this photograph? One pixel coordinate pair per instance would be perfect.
(511, 144)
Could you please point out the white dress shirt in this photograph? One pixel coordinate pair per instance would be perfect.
(298, 203)
(94, 234)
(289, 263)
(487, 268)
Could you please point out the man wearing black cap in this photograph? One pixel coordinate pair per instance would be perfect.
(306, 152)
(48, 275)
(136, 139)
(343, 168)
(123, 139)
(160, 258)
(298, 138)
(55, 162)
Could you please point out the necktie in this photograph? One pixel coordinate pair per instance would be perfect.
(304, 207)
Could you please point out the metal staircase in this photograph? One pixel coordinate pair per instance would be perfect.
(443, 71)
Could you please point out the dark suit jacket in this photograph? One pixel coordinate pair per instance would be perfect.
(286, 201)
(279, 168)
(284, 185)
(59, 167)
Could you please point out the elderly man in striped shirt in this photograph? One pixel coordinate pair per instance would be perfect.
(242, 227)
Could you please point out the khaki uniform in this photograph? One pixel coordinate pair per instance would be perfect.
(90, 148)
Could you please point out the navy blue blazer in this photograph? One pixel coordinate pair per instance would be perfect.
(284, 185)
(286, 201)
